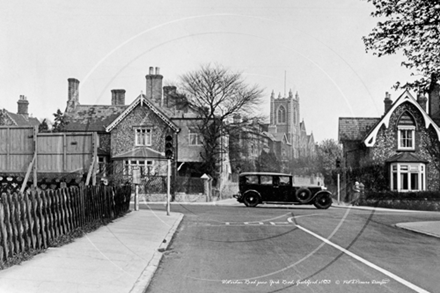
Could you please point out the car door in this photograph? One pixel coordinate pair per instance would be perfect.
(282, 186)
(266, 188)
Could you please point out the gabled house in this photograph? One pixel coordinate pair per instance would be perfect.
(133, 136)
(21, 118)
(404, 141)
(130, 136)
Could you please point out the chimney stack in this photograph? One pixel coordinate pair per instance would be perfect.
(154, 86)
(73, 94)
(421, 99)
(169, 96)
(387, 101)
(118, 97)
(23, 106)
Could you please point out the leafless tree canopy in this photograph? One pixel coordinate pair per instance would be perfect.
(218, 94)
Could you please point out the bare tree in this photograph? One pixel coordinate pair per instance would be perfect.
(217, 94)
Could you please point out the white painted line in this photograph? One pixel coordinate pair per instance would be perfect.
(253, 223)
(280, 223)
(366, 262)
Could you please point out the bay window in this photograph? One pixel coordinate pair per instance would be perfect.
(408, 176)
(145, 167)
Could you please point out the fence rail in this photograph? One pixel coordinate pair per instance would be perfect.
(32, 220)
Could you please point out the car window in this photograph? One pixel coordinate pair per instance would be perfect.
(284, 180)
(253, 179)
(266, 180)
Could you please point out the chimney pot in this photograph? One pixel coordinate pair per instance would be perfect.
(157, 70)
(151, 70)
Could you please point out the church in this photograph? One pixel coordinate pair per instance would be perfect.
(286, 126)
(272, 146)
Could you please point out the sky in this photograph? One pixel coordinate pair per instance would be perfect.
(313, 47)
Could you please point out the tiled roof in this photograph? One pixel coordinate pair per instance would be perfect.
(92, 117)
(22, 120)
(355, 128)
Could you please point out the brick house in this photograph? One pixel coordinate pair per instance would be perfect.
(404, 141)
(21, 118)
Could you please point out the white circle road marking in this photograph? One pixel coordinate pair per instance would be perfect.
(362, 260)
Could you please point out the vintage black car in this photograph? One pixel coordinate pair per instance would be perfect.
(278, 188)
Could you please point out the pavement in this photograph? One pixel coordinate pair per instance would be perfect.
(119, 257)
(122, 256)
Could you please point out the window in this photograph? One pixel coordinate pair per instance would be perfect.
(406, 137)
(142, 136)
(407, 176)
(146, 167)
(266, 180)
(195, 138)
(281, 114)
(406, 130)
(284, 180)
(102, 166)
(252, 179)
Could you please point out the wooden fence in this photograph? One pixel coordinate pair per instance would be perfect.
(26, 152)
(32, 220)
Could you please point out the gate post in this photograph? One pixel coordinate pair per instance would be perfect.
(207, 186)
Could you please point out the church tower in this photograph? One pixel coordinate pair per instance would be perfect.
(285, 120)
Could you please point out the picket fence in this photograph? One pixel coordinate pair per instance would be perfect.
(32, 220)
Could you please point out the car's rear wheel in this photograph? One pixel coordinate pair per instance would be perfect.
(251, 199)
(303, 195)
(322, 201)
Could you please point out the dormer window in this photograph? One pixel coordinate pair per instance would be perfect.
(406, 132)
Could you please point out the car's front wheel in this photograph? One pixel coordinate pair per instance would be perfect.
(322, 201)
(251, 199)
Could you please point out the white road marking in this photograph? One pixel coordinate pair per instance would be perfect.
(253, 223)
(364, 261)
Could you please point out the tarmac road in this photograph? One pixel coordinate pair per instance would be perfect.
(297, 249)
